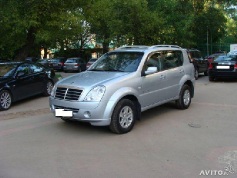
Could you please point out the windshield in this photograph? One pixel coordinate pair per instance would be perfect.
(118, 61)
(227, 58)
(7, 70)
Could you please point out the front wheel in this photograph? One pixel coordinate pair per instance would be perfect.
(48, 88)
(196, 74)
(5, 100)
(184, 98)
(123, 117)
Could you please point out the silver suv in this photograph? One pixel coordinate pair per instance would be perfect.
(122, 83)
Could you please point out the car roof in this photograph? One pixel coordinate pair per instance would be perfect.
(142, 48)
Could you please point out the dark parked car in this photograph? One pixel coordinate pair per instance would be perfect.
(90, 62)
(200, 64)
(20, 80)
(74, 64)
(58, 63)
(44, 62)
(214, 56)
(32, 59)
(223, 68)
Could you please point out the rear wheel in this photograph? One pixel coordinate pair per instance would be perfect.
(5, 100)
(123, 117)
(184, 98)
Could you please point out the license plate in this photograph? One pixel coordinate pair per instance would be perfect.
(62, 113)
(223, 67)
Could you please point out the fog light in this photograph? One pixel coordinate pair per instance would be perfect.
(87, 114)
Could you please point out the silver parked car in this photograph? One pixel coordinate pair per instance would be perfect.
(122, 83)
(74, 64)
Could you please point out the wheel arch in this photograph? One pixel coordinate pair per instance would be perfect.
(9, 90)
(119, 95)
(190, 84)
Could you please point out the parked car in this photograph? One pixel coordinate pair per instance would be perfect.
(58, 63)
(44, 62)
(32, 59)
(90, 62)
(212, 57)
(20, 80)
(74, 64)
(200, 64)
(223, 68)
(122, 83)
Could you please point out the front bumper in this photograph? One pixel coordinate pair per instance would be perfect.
(96, 113)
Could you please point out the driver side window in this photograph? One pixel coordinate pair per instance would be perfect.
(24, 68)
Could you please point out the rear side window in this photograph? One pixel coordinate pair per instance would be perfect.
(164, 60)
(172, 59)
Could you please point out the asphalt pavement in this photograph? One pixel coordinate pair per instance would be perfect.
(167, 142)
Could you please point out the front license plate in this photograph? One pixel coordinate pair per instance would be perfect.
(62, 113)
(223, 67)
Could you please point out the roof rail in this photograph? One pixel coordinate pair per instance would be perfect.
(168, 46)
(133, 46)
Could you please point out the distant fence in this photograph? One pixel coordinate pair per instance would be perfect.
(213, 48)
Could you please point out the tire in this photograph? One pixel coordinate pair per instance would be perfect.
(123, 117)
(184, 100)
(206, 73)
(5, 100)
(48, 88)
(211, 78)
(79, 70)
(196, 74)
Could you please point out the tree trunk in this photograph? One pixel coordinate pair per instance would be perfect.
(45, 52)
(24, 51)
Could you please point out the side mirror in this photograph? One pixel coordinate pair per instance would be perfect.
(151, 70)
(20, 74)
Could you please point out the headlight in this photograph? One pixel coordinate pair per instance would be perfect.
(95, 94)
(53, 91)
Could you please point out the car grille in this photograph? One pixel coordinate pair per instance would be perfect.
(74, 110)
(68, 94)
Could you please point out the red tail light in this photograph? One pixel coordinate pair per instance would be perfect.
(77, 64)
(210, 66)
(61, 63)
(235, 66)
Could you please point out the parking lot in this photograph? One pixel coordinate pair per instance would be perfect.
(166, 142)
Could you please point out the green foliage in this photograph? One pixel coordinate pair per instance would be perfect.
(27, 25)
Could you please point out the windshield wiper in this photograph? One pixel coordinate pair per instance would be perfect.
(114, 70)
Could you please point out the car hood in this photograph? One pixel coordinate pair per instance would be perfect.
(90, 78)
